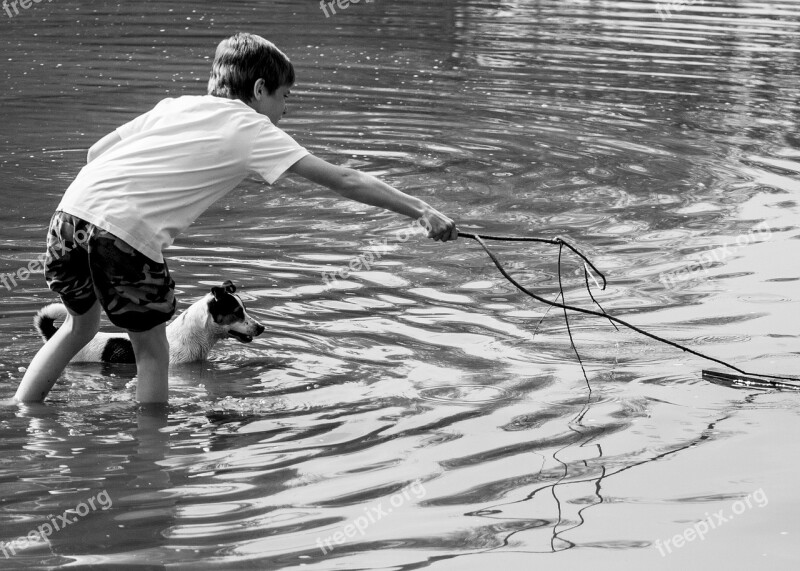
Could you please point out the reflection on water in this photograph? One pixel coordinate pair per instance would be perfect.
(655, 145)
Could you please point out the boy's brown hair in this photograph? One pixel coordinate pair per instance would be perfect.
(243, 59)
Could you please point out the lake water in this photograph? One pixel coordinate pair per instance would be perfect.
(422, 413)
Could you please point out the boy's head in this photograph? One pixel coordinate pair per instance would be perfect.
(244, 59)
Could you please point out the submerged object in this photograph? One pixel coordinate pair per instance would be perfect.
(740, 380)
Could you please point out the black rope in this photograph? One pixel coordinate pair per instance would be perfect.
(566, 320)
(602, 313)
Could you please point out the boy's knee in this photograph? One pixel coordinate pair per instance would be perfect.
(85, 334)
(154, 339)
(85, 326)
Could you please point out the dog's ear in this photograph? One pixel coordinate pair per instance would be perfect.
(227, 287)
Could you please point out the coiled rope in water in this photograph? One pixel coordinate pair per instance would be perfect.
(754, 378)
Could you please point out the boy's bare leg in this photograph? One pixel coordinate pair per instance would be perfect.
(152, 364)
(54, 355)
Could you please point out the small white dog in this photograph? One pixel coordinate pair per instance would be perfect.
(191, 336)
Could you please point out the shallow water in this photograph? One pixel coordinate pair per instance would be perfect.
(423, 399)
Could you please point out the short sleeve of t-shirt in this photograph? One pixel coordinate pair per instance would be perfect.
(273, 153)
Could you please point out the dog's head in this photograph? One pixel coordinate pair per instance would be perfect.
(228, 311)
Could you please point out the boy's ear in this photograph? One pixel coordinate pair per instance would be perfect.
(257, 87)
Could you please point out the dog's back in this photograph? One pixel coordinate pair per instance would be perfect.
(105, 347)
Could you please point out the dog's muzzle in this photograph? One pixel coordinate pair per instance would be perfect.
(244, 337)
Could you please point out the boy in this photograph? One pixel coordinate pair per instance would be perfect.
(150, 179)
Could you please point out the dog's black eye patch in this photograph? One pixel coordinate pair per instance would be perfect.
(225, 304)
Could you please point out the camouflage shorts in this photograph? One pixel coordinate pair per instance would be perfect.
(85, 263)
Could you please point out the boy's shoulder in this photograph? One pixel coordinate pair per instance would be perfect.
(187, 113)
(203, 102)
(217, 111)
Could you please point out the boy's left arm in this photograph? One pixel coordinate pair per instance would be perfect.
(368, 189)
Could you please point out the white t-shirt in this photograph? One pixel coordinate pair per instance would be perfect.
(172, 163)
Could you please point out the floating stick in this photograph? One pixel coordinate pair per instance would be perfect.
(747, 381)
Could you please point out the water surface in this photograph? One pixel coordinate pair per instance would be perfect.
(424, 395)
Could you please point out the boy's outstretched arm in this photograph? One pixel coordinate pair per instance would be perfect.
(366, 188)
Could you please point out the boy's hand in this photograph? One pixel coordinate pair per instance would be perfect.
(439, 226)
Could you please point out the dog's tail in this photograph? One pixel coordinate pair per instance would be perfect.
(45, 319)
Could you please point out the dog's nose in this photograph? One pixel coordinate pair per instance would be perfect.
(259, 329)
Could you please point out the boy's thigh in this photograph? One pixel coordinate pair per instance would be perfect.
(136, 292)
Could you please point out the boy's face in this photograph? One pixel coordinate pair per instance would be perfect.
(274, 105)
